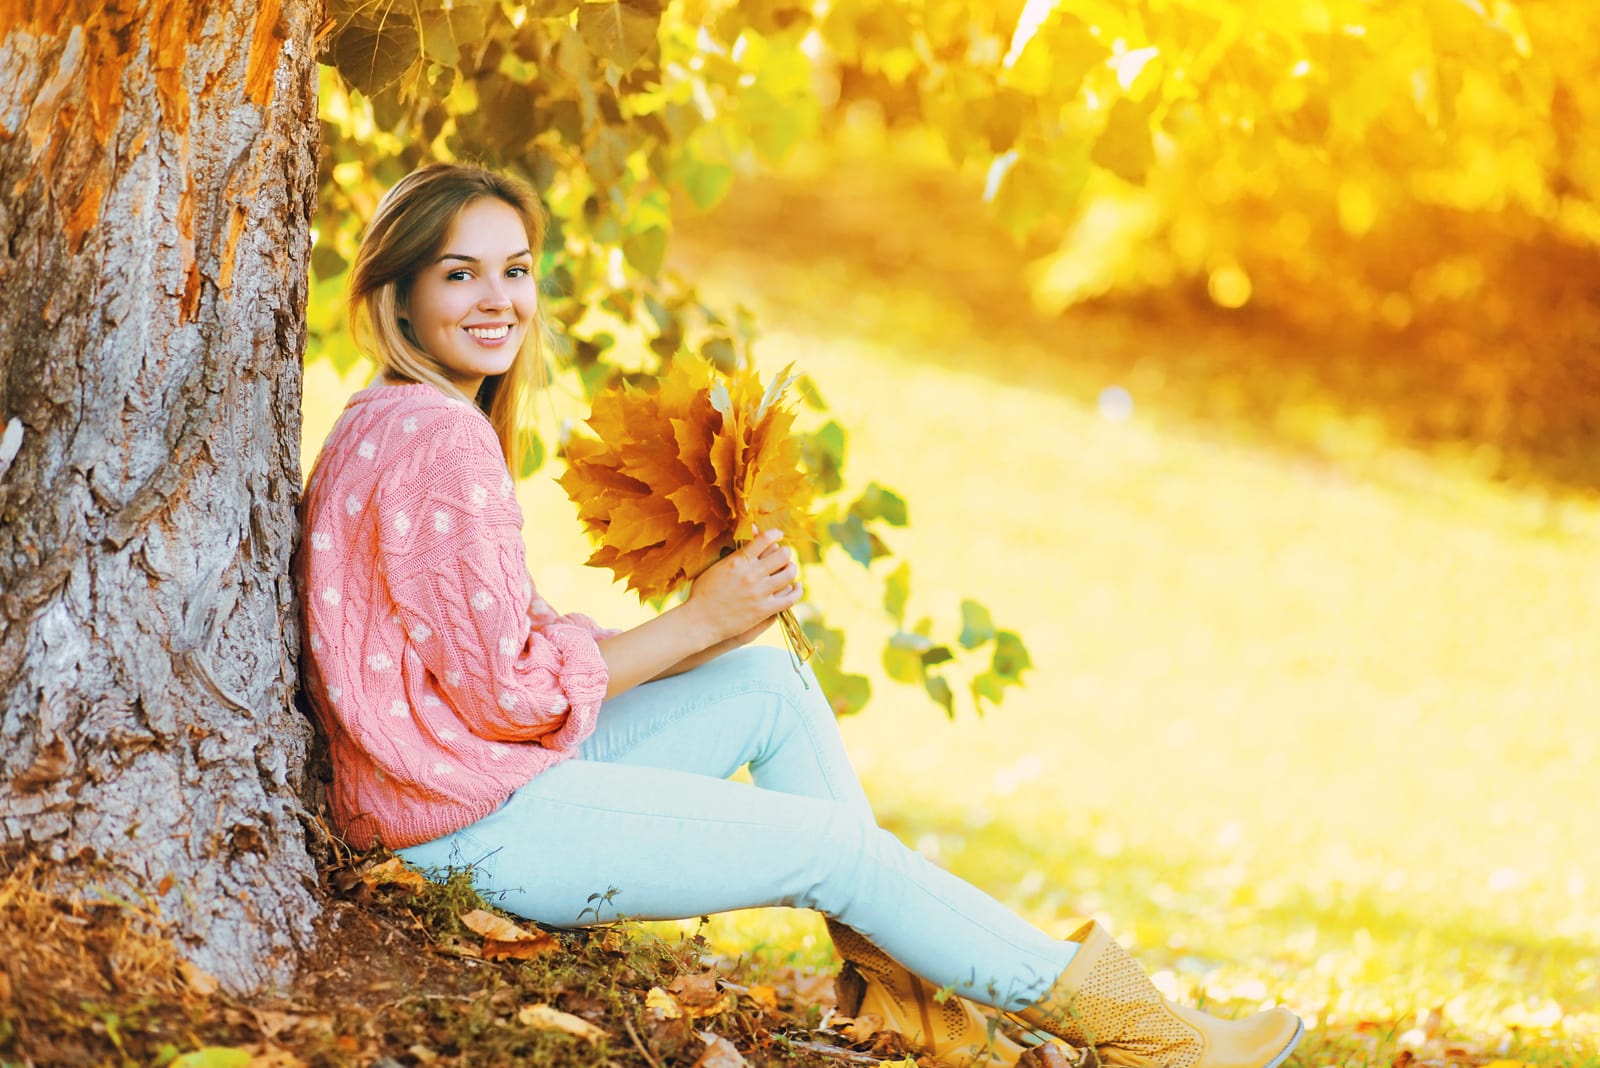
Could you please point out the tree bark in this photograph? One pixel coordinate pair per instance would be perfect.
(157, 181)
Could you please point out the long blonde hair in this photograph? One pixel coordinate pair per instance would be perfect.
(407, 232)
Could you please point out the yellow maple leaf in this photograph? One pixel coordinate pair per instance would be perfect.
(685, 472)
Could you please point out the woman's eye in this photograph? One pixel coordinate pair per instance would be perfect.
(518, 271)
(458, 275)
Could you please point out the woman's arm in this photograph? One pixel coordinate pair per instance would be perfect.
(728, 606)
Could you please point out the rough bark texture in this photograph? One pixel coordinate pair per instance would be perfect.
(157, 179)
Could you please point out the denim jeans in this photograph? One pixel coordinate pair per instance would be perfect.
(645, 824)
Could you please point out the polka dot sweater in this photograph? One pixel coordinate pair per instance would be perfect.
(442, 678)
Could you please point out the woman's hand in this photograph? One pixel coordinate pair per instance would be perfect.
(740, 594)
(729, 605)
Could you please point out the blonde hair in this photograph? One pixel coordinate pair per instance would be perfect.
(407, 233)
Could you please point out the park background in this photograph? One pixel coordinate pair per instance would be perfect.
(1204, 397)
(1280, 461)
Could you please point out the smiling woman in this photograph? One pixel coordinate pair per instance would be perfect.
(471, 308)
(572, 768)
(442, 290)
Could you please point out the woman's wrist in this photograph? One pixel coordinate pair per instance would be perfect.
(699, 627)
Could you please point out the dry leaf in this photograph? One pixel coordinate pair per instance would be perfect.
(198, 979)
(683, 473)
(720, 1053)
(1056, 1055)
(862, 1028)
(549, 1018)
(765, 996)
(394, 871)
(491, 925)
(504, 940)
(701, 995)
(662, 1005)
(521, 949)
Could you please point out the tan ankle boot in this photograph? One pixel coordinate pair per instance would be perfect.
(1105, 1000)
(952, 1032)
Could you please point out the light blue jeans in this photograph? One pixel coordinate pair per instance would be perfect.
(645, 824)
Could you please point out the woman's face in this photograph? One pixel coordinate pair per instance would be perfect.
(472, 307)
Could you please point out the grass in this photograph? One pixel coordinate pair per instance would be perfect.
(1312, 718)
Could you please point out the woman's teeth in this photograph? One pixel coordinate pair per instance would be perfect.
(488, 333)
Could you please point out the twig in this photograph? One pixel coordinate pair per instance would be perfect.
(638, 1045)
(849, 1055)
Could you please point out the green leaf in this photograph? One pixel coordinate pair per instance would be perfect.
(532, 453)
(853, 538)
(976, 626)
(939, 654)
(620, 32)
(876, 502)
(896, 589)
(847, 694)
(214, 1057)
(988, 687)
(1125, 147)
(911, 642)
(902, 664)
(1010, 656)
(722, 354)
(373, 55)
(646, 252)
(439, 39)
(810, 395)
(326, 263)
(1034, 182)
(706, 183)
(607, 156)
(822, 453)
(939, 689)
(828, 642)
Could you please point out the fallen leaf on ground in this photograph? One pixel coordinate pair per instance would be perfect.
(765, 996)
(521, 949)
(504, 940)
(701, 995)
(490, 925)
(720, 1053)
(550, 1018)
(197, 978)
(663, 1005)
(394, 872)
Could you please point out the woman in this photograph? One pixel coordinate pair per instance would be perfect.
(583, 772)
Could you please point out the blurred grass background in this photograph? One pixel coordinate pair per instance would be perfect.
(1312, 717)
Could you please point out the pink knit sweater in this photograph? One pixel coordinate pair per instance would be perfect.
(444, 681)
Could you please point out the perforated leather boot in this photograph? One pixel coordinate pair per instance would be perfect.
(1105, 1001)
(952, 1032)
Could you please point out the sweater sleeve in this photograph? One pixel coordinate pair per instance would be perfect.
(450, 546)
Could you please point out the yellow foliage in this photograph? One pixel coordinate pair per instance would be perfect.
(686, 472)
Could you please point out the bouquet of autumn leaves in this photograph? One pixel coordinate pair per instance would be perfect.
(687, 472)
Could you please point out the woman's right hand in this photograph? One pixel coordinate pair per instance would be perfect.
(745, 589)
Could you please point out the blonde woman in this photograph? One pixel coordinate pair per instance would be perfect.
(583, 773)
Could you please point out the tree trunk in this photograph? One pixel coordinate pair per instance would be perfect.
(157, 179)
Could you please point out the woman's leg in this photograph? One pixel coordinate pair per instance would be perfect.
(749, 707)
(587, 842)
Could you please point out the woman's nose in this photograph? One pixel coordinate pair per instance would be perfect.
(494, 295)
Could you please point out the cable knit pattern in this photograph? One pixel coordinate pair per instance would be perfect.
(444, 681)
